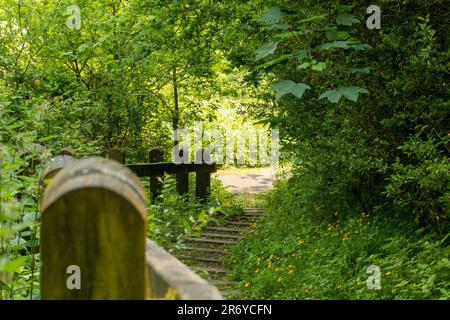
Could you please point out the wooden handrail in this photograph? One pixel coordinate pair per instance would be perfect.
(202, 166)
(161, 168)
(93, 245)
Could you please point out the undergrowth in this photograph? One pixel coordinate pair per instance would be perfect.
(173, 217)
(299, 252)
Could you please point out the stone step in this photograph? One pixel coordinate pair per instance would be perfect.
(223, 283)
(247, 218)
(203, 259)
(227, 229)
(219, 235)
(201, 249)
(239, 223)
(206, 240)
(210, 270)
(253, 214)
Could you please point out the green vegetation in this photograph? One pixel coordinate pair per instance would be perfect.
(363, 117)
(300, 251)
(172, 217)
(371, 174)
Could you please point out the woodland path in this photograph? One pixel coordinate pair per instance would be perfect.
(247, 181)
(205, 254)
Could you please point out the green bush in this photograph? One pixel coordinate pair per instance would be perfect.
(299, 251)
(173, 218)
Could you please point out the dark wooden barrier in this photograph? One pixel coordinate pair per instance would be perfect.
(155, 155)
(117, 154)
(203, 167)
(182, 177)
(203, 179)
(93, 242)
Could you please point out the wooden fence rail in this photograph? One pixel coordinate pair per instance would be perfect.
(93, 245)
(202, 166)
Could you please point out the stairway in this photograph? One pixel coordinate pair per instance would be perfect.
(204, 254)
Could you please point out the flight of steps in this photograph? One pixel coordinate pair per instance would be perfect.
(204, 254)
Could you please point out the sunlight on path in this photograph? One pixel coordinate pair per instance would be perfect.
(248, 180)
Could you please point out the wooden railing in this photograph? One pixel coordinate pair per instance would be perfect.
(93, 226)
(202, 167)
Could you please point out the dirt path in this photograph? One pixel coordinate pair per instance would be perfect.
(205, 254)
(247, 180)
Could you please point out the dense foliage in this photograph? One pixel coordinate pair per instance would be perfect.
(385, 152)
(363, 117)
(370, 182)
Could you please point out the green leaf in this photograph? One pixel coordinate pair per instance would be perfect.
(272, 16)
(338, 35)
(360, 69)
(333, 96)
(196, 234)
(304, 65)
(351, 93)
(334, 44)
(274, 62)
(12, 265)
(266, 50)
(360, 46)
(320, 66)
(302, 54)
(314, 18)
(346, 19)
(289, 87)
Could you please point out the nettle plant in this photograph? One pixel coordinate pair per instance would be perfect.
(316, 44)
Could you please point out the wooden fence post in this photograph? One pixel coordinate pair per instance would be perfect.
(117, 154)
(155, 155)
(55, 165)
(203, 179)
(67, 152)
(182, 177)
(93, 218)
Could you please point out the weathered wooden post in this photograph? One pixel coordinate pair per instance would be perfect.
(67, 152)
(55, 165)
(202, 179)
(117, 154)
(93, 218)
(182, 177)
(155, 155)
